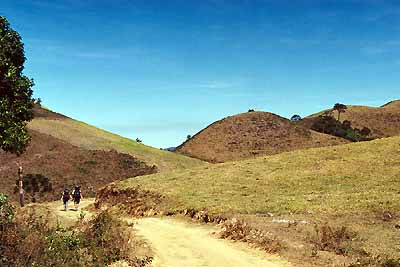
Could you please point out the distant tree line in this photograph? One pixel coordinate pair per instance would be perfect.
(328, 124)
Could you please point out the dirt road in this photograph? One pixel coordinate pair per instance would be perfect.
(176, 243)
(180, 244)
(69, 217)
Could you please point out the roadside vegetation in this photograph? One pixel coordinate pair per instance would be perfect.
(29, 237)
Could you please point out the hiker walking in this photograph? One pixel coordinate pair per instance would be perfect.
(77, 196)
(65, 198)
(21, 187)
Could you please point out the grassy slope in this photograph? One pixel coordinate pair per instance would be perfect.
(90, 137)
(348, 178)
(351, 185)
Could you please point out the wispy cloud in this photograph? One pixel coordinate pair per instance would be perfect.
(60, 49)
(380, 48)
(382, 12)
(214, 85)
(295, 41)
(60, 4)
(97, 55)
(375, 50)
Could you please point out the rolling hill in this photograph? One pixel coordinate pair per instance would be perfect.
(252, 134)
(89, 137)
(68, 152)
(383, 121)
(353, 187)
(66, 165)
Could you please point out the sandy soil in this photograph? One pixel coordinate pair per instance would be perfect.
(69, 217)
(177, 243)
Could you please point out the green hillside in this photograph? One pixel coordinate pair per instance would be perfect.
(347, 178)
(90, 137)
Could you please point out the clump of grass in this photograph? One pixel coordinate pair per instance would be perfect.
(328, 238)
(239, 230)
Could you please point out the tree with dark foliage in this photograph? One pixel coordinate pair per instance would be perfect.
(16, 102)
(295, 118)
(365, 131)
(346, 124)
(340, 108)
(332, 126)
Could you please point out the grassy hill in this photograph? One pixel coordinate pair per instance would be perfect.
(89, 137)
(383, 121)
(354, 185)
(66, 165)
(252, 134)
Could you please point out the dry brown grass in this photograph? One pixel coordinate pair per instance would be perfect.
(252, 134)
(350, 186)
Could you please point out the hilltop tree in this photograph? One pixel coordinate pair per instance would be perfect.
(340, 108)
(16, 102)
(188, 137)
(138, 140)
(295, 118)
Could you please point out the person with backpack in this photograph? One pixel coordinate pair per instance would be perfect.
(77, 196)
(65, 198)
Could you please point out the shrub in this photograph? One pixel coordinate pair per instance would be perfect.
(239, 230)
(29, 240)
(6, 212)
(295, 118)
(35, 183)
(330, 125)
(338, 240)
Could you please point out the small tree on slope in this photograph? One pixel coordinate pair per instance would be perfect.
(340, 108)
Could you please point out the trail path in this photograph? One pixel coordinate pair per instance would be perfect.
(179, 244)
(69, 217)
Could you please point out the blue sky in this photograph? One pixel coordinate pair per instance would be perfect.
(160, 70)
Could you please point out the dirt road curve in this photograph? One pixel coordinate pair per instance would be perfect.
(178, 244)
